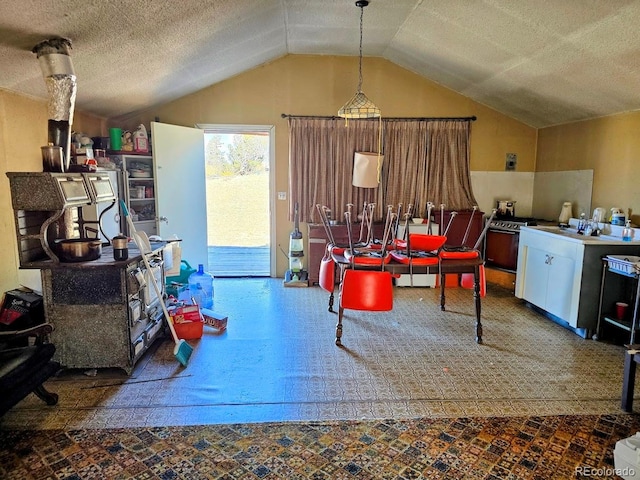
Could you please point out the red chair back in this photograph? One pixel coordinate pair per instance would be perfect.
(370, 290)
(426, 243)
(327, 278)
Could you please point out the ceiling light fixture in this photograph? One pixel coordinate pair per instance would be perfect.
(359, 106)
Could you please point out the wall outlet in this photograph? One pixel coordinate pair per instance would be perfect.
(282, 195)
(512, 159)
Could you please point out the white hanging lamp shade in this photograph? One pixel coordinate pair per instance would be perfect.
(359, 106)
(366, 169)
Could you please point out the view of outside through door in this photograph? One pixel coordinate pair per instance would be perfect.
(237, 169)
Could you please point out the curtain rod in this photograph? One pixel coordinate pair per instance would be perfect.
(459, 119)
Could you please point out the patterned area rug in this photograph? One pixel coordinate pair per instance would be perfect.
(550, 447)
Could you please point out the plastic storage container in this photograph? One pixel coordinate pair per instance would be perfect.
(201, 287)
(626, 457)
(189, 330)
(178, 283)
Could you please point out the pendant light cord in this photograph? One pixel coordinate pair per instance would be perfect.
(360, 65)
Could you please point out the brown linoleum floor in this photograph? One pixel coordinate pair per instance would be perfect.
(277, 361)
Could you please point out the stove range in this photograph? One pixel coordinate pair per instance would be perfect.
(502, 240)
(511, 224)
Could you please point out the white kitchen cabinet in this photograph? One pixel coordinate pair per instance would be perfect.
(139, 190)
(561, 274)
(549, 281)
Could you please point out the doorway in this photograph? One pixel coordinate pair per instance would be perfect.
(239, 178)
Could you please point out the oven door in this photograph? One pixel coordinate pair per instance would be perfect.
(155, 272)
(501, 249)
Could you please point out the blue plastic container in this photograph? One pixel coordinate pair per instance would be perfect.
(201, 287)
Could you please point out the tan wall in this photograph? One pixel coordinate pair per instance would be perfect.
(610, 146)
(23, 130)
(319, 85)
(301, 85)
(313, 85)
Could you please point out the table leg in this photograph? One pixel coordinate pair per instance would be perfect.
(476, 296)
(628, 381)
(331, 302)
(339, 327)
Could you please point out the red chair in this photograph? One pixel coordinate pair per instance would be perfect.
(462, 251)
(370, 256)
(327, 278)
(421, 250)
(368, 290)
(458, 253)
(422, 242)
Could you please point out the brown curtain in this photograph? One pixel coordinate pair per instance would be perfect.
(321, 155)
(449, 180)
(405, 147)
(424, 161)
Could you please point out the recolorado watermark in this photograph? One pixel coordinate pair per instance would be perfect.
(587, 471)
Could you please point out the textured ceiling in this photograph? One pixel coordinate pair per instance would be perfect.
(544, 62)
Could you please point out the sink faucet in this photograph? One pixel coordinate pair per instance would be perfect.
(592, 229)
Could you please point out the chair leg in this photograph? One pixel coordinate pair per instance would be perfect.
(48, 397)
(339, 327)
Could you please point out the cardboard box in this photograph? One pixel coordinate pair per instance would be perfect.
(21, 309)
(188, 313)
(215, 320)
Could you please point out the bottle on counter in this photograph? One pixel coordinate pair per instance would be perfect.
(201, 287)
(582, 223)
(627, 232)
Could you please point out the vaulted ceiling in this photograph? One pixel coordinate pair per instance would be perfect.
(543, 62)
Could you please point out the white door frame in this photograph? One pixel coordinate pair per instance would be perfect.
(246, 129)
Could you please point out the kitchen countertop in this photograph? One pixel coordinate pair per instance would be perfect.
(612, 234)
(106, 259)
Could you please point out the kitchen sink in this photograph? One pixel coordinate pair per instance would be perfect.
(572, 233)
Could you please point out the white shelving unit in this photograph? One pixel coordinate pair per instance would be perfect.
(139, 190)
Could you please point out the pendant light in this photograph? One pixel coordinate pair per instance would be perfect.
(359, 106)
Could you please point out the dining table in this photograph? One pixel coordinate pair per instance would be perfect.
(458, 266)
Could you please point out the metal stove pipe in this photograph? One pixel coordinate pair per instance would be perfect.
(60, 79)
